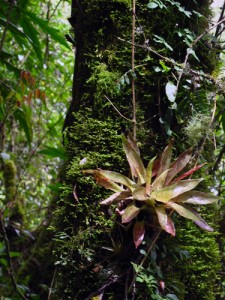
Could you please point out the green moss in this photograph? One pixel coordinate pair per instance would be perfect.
(9, 176)
(84, 232)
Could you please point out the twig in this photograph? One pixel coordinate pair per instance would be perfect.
(146, 256)
(103, 287)
(6, 27)
(9, 260)
(34, 151)
(191, 48)
(134, 120)
(117, 110)
(52, 284)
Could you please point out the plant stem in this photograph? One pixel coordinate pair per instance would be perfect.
(134, 120)
(146, 256)
(9, 260)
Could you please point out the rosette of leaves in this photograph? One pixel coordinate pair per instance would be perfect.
(157, 190)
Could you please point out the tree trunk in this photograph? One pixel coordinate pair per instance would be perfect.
(94, 252)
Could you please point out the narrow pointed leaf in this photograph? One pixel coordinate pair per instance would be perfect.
(195, 197)
(156, 166)
(185, 212)
(160, 180)
(130, 213)
(45, 27)
(201, 222)
(140, 194)
(118, 178)
(174, 190)
(188, 173)
(149, 176)
(116, 197)
(134, 160)
(33, 34)
(164, 220)
(138, 233)
(166, 158)
(178, 165)
(103, 181)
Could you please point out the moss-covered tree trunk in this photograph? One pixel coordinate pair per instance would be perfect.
(94, 252)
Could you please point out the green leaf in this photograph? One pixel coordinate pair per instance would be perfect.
(164, 66)
(165, 160)
(54, 152)
(152, 5)
(195, 197)
(149, 175)
(130, 213)
(172, 191)
(178, 165)
(33, 35)
(118, 178)
(54, 33)
(160, 180)
(138, 233)
(183, 211)
(223, 121)
(164, 220)
(103, 181)
(25, 123)
(191, 51)
(171, 91)
(140, 194)
(134, 160)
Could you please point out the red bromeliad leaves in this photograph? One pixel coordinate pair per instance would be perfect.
(177, 166)
(130, 213)
(165, 158)
(185, 212)
(154, 190)
(164, 220)
(174, 190)
(149, 176)
(138, 233)
(188, 173)
(195, 197)
(134, 160)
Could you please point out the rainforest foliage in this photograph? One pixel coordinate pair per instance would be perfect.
(142, 112)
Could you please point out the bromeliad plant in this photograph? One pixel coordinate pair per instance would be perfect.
(157, 190)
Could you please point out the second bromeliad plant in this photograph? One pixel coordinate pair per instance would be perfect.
(157, 190)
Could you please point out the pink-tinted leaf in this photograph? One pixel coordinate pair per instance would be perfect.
(185, 212)
(170, 228)
(103, 181)
(178, 165)
(201, 222)
(117, 177)
(138, 233)
(166, 158)
(107, 183)
(117, 197)
(195, 197)
(130, 213)
(188, 173)
(164, 220)
(140, 194)
(156, 166)
(174, 190)
(134, 160)
(149, 176)
(160, 180)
